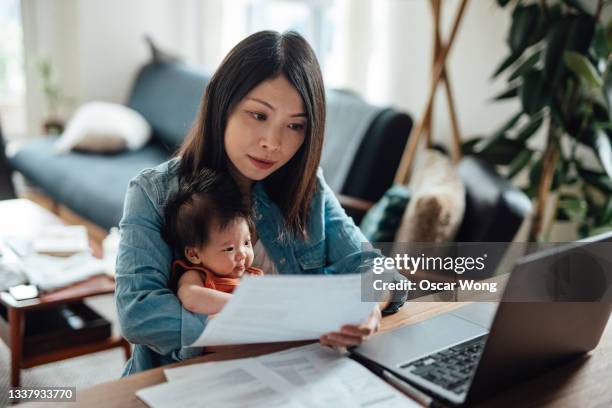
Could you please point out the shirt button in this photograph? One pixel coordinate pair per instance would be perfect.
(282, 261)
(259, 216)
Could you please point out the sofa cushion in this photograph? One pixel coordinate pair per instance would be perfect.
(378, 157)
(91, 185)
(437, 205)
(348, 118)
(495, 209)
(168, 95)
(103, 127)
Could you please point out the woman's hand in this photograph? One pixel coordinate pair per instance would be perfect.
(351, 334)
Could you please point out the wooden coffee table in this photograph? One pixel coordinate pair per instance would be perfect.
(20, 216)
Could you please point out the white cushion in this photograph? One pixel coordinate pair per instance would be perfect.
(104, 127)
(437, 206)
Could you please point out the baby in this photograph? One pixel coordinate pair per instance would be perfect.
(208, 223)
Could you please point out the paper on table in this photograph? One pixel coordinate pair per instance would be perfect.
(365, 387)
(226, 385)
(318, 375)
(287, 308)
(61, 240)
(51, 272)
(312, 386)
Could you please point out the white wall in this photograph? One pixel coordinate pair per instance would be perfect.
(384, 49)
(98, 45)
(390, 59)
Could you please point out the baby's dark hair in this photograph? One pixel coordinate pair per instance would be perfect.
(204, 201)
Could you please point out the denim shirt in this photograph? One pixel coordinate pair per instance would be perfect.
(150, 314)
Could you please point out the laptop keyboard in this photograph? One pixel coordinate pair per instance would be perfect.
(450, 368)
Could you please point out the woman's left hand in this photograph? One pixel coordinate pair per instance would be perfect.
(351, 334)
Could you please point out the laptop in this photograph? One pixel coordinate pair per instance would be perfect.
(468, 354)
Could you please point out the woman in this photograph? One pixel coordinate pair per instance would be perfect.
(261, 119)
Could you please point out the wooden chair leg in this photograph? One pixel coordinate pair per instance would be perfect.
(15, 317)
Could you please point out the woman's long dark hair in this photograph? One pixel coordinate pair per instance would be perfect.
(260, 57)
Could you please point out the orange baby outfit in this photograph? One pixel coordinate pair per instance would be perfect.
(211, 280)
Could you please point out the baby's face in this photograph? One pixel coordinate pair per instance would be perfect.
(228, 252)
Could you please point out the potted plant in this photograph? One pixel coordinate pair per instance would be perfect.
(559, 68)
(53, 123)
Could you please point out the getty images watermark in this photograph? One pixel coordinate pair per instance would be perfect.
(480, 271)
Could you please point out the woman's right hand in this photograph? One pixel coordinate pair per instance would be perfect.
(352, 334)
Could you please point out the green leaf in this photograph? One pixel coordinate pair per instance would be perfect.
(600, 230)
(510, 59)
(524, 18)
(508, 94)
(534, 92)
(499, 133)
(534, 173)
(556, 40)
(557, 115)
(571, 207)
(502, 151)
(530, 128)
(576, 4)
(467, 148)
(581, 33)
(605, 216)
(607, 92)
(519, 162)
(525, 66)
(603, 150)
(600, 43)
(596, 179)
(601, 112)
(583, 69)
(609, 34)
(536, 170)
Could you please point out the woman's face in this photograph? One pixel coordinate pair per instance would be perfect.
(265, 129)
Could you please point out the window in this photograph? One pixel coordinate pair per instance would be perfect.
(12, 81)
(313, 19)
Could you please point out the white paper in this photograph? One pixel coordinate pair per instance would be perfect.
(366, 388)
(287, 308)
(51, 272)
(61, 240)
(314, 375)
(226, 385)
(312, 387)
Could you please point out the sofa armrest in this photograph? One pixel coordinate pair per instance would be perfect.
(354, 204)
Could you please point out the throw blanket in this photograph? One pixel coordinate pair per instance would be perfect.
(350, 117)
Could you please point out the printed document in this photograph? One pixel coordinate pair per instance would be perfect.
(287, 308)
(224, 385)
(308, 376)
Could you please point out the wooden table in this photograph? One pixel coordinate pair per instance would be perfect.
(21, 216)
(584, 382)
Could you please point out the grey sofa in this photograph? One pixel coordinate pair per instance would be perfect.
(167, 94)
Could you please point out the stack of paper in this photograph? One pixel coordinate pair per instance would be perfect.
(51, 272)
(61, 240)
(309, 376)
